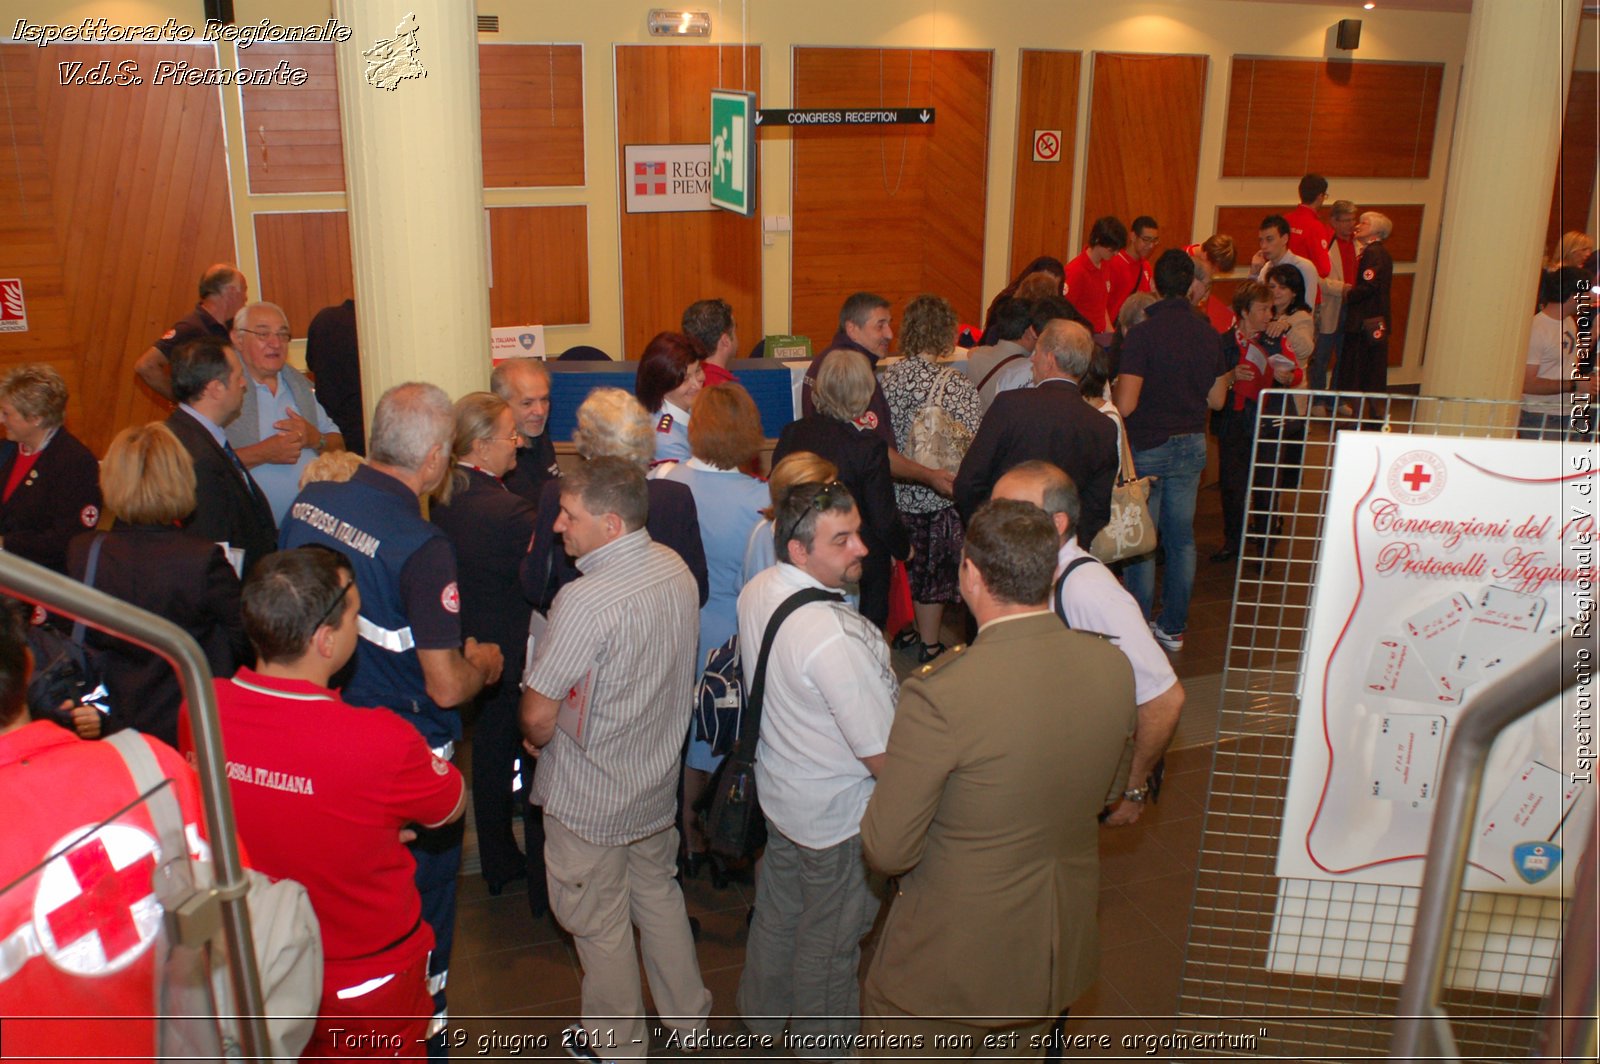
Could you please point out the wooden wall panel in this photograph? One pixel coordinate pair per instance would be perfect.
(1144, 140)
(532, 105)
(1400, 293)
(531, 100)
(671, 260)
(541, 265)
(292, 140)
(1344, 118)
(1244, 225)
(1575, 175)
(113, 200)
(305, 264)
(896, 210)
(1041, 200)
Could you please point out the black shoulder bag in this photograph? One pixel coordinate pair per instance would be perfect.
(730, 812)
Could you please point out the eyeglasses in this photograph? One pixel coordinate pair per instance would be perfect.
(513, 438)
(820, 502)
(334, 605)
(269, 334)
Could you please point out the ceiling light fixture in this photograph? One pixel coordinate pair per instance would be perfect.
(665, 23)
(1369, 5)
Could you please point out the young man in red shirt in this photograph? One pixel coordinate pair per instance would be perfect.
(322, 792)
(1130, 268)
(1088, 279)
(1308, 233)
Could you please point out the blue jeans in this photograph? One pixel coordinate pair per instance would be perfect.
(1177, 465)
(1328, 347)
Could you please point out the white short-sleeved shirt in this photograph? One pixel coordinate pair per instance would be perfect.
(829, 702)
(1553, 348)
(1095, 602)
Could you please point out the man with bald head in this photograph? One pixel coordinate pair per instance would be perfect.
(1088, 598)
(282, 427)
(223, 290)
(1050, 421)
(524, 383)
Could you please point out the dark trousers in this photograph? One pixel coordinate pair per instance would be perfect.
(496, 747)
(438, 857)
(875, 569)
(1234, 431)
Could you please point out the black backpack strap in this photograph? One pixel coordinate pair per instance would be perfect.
(1055, 594)
(750, 729)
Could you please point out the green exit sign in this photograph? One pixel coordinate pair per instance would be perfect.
(733, 151)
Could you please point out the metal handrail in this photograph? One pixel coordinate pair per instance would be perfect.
(1421, 1027)
(160, 636)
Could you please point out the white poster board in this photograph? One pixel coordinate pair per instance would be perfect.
(516, 341)
(1445, 561)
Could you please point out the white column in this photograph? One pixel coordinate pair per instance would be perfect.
(1497, 195)
(413, 161)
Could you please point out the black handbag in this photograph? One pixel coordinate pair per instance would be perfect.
(730, 811)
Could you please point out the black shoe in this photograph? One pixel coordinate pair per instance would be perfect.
(691, 863)
(928, 651)
(498, 884)
(1226, 554)
(906, 639)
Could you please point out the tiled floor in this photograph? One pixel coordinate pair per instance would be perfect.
(516, 978)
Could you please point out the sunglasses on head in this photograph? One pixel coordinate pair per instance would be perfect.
(821, 502)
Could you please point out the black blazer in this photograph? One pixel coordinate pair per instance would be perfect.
(674, 522)
(175, 574)
(1052, 423)
(1369, 292)
(59, 497)
(228, 507)
(863, 461)
(491, 528)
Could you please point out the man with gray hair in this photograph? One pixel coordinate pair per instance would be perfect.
(411, 658)
(282, 427)
(524, 383)
(1051, 422)
(223, 290)
(605, 706)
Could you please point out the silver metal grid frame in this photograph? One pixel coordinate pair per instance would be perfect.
(1318, 1017)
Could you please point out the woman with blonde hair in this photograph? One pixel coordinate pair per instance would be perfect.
(918, 389)
(49, 481)
(490, 527)
(149, 561)
(842, 391)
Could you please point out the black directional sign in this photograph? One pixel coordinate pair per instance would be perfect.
(855, 116)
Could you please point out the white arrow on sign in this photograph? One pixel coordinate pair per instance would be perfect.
(758, 118)
(925, 116)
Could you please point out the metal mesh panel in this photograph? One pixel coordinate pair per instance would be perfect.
(1337, 927)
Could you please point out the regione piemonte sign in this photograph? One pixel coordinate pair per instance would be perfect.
(663, 178)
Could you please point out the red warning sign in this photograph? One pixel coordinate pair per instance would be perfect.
(13, 311)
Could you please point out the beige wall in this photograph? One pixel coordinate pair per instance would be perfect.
(1216, 28)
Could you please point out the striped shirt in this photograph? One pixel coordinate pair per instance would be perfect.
(628, 628)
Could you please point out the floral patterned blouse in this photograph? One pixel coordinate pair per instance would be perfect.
(911, 384)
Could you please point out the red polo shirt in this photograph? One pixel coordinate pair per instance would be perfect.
(1308, 238)
(1089, 290)
(1127, 275)
(321, 790)
(716, 375)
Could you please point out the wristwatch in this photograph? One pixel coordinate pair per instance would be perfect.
(1137, 794)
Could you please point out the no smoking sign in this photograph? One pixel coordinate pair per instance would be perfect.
(1047, 145)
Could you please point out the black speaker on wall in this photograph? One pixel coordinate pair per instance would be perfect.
(222, 11)
(1349, 34)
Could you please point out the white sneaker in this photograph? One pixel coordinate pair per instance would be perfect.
(1166, 639)
(575, 1040)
